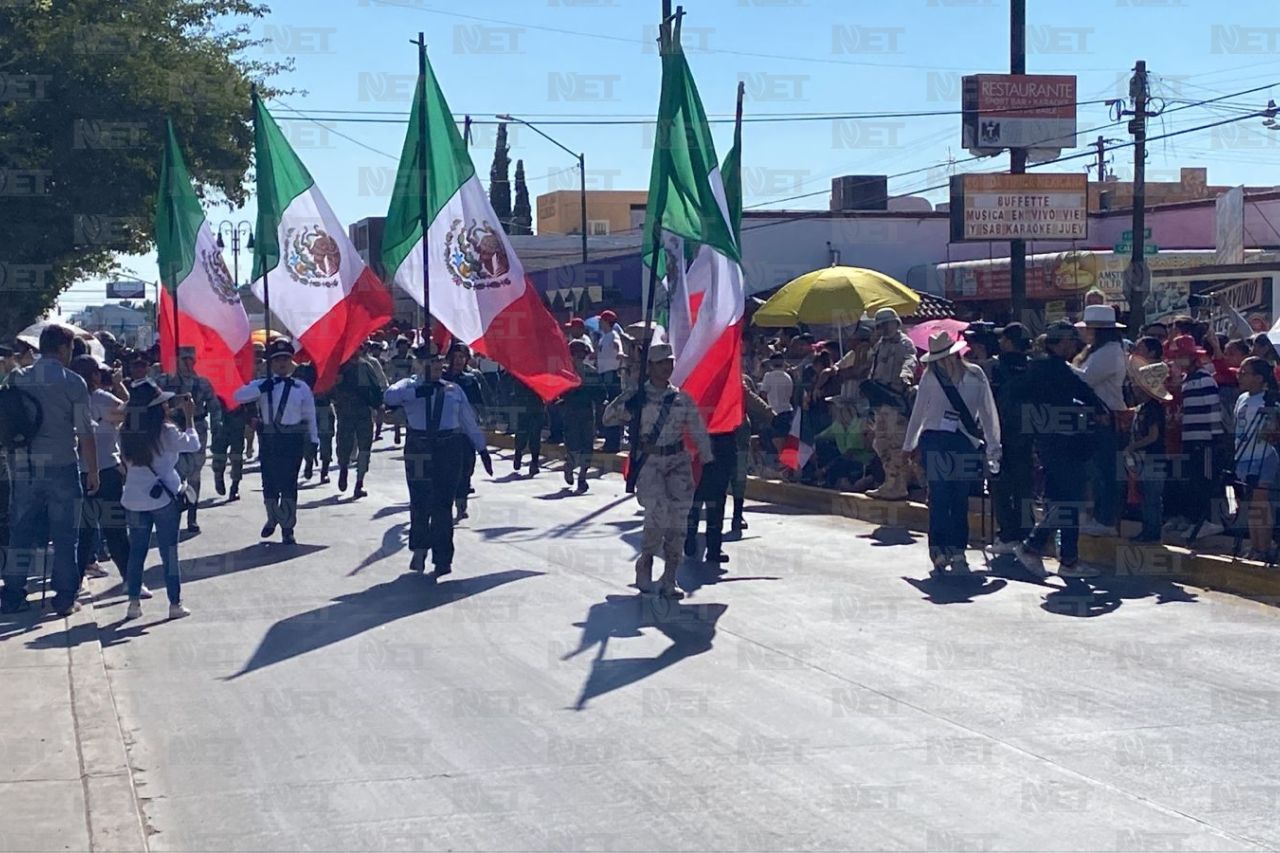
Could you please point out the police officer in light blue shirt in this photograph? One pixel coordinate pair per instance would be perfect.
(440, 420)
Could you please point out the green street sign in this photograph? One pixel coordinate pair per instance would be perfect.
(1127, 236)
(1126, 248)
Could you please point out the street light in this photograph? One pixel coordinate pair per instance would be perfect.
(582, 172)
(235, 229)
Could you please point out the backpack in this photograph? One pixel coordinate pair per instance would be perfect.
(20, 418)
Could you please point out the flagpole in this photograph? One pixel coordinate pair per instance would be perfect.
(662, 141)
(422, 183)
(266, 287)
(173, 271)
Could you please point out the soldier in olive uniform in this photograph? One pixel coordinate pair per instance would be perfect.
(325, 423)
(227, 442)
(578, 412)
(207, 412)
(356, 396)
(893, 372)
(399, 366)
(664, 484)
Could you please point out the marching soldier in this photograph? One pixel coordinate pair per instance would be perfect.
(441, 424)
(356, 397)
(399, 366)
(893, 372)
(325, 423)
(287, 412)
(260, 371)
(578, 410)
(206, 410)
(664, 481)
(459, 373)
(228, 442)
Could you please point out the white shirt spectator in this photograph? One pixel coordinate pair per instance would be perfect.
(140, 479)
(609, 351)
(778, 386)
(1104, 370)
(933, 410)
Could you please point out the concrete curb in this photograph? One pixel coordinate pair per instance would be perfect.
(1153, 562)
(111, 799)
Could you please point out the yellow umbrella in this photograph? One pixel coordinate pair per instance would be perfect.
(835, 296)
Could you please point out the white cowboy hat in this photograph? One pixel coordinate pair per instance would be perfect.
(942, 345)
(1099, 317)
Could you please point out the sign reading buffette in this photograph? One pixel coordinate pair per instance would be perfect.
(1019, 207)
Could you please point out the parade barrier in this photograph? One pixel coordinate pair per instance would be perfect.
(1112, 555)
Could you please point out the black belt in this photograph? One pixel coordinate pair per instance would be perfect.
(662, 449)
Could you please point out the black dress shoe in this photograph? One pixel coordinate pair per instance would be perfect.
(235, 492)
(717, 558)
(15, 606)
(359, 491)
(342, 479)
(219, 486)
(286, 537)
(441, 571)
(192, 527)
(268, 529)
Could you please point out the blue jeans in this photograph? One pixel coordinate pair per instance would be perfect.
(1152, 473)
(165, 520)
(52, 493)
(951, 467)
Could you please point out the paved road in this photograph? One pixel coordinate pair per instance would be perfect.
(818, 696)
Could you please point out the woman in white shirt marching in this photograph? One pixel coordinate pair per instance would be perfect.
(949, 449)
(1103, 365)
(150, 444)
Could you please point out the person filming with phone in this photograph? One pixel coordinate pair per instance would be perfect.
(154, 496)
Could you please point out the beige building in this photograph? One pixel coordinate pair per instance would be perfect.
(608, 211)
(1192, 185)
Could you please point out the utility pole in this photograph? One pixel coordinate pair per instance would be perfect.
(1137, 278)
(1018, 163)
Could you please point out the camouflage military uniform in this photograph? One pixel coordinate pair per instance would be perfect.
(355, 397)
(664, 486)
(208, 411)
(893, 364)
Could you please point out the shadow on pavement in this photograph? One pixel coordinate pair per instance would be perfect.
(694, 575)
(1103, 595)
(883, 536)
(691, 629)
(332, 500)
(250, 557)
(79, 634)
(390, 509)
(961, 589)
(499, 532)
(353, 614)
(394, 539)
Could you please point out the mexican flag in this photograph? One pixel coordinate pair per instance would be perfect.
(317, 284)
(199, 303)
(698, 247)
(478, 290)
(797, 447)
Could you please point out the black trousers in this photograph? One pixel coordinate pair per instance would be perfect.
(529, 432)
(467, 470)
(281, 454)
(1011, 496)
(713, 490)
(432, 471)
(102, 511)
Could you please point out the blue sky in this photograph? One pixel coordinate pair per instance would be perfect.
(591, 60)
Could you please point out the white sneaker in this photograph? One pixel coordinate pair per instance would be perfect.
(177, 611)
(1079, 570)
(1000, 549)
(145, 593)
(1093, 528)
(135, 609)
(1033, 563)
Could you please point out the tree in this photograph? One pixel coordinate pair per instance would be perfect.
(500, 178)
(84, 91)
(522, 214)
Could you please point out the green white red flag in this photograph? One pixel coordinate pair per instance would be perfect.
(699, 247)
(199, 305)
(319, 287)
(478, 289)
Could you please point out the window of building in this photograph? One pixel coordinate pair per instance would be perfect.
(598, 227)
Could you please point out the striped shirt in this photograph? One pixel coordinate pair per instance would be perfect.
(1201, 407)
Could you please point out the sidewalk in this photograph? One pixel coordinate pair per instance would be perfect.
(1216, 571)
(64, 776)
